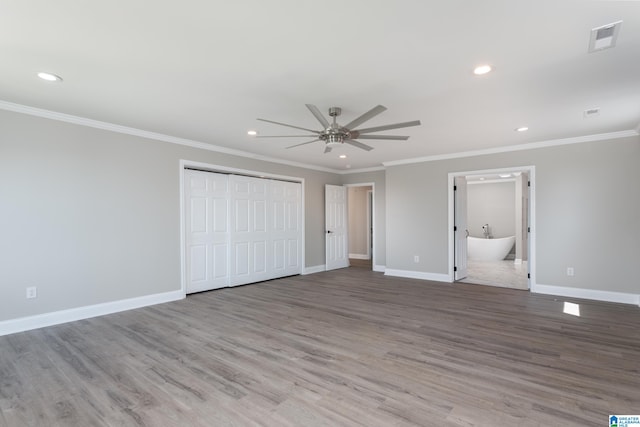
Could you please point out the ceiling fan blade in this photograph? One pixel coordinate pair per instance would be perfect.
(390, 137)
(304, 143)
(318, 115)
(388, 127)
(291, 126)
(358, 144)
(327, 149)
(366, 116)
(285, 136)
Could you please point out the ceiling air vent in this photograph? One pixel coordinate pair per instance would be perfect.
(604, 37)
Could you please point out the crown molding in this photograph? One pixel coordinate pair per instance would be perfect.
(363, 170)
(97, 124)
(521, 147)
(83, 121)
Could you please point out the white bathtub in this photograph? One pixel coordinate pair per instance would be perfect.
(489, 249)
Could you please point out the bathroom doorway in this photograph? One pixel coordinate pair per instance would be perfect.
(491, 238)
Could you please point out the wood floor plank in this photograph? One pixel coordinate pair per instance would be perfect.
(348, 347)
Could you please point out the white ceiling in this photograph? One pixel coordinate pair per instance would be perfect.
(205, 70)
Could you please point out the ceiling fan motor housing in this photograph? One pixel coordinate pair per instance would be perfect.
(334, 138)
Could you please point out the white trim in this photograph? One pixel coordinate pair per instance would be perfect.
(379, 268)
(592, 294)
(492, 181)
(63, 316)
(359, 256)
(521, 147)
(183, 238)
(315, 269)
(225, 169)
(370, 224)
(82, 121)
(352, 171)
(231, 170)
(437, 277)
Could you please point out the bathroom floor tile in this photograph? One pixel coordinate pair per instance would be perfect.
(505, 274)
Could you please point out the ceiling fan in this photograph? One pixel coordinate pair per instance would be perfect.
(334, 134)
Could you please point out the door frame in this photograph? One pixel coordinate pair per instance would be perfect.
(372, 216)
(531, 171)
(209, 167)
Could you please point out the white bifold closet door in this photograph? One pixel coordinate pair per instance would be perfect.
(240, 229)
(206, 208)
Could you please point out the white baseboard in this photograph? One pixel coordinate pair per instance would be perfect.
(359, 256)
(379, 268)
(314, 269)
(418, 275)
(593, 294)
(63, 316)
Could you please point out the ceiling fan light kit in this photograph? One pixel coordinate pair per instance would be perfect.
(334, 134)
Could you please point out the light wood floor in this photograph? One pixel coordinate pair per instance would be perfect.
(348, 347)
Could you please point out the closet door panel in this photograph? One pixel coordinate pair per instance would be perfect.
(249, 230)
(207, 232)
(286, 205)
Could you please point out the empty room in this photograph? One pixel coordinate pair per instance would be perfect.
(302, 213)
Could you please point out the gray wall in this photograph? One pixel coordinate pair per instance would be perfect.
(91, 216)
(586, 211)
(493, 203)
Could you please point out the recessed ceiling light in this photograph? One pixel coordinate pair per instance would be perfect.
(482, 69)
(252, 133)
(504, 175)
(522, 129)
(343, 156)
(50, 77)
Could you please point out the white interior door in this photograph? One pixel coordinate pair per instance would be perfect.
(207, 232)
(336, 250)
(460, 227)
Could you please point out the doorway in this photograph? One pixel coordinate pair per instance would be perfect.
(360, 225)
(492, 239)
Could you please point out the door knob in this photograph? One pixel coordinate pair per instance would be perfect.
(329, 231)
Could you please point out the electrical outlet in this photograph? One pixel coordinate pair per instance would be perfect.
(32, 292)
(569, 271)
(416, 259)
